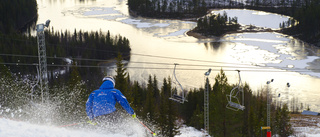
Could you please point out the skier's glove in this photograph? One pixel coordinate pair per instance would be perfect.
(134, 115)
(91, 123)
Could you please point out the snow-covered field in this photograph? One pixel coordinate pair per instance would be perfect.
(307, 131)
(305, 125)
(12, 128)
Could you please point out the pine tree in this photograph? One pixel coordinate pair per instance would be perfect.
(218, 103)
(137, 98)
(150, 101)
(156, 89)
(121, 77)
(197, 118)
(284, 122)
(168, 111)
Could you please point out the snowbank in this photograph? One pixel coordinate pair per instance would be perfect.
(307, 131)
(10, 128)
(189, 132)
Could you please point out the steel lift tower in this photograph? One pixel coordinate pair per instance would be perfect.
(43, 61)
(269, 100)
(206, 103)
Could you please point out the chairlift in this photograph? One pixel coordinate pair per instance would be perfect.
(233, 101)
(175, 95)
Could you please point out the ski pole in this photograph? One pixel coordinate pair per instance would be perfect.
(153, 133)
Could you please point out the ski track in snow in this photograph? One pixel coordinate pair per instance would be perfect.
(11, 128)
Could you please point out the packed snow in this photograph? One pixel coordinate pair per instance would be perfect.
(307, 131)
(13, 128)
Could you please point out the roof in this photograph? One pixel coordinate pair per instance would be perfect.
(305, 112)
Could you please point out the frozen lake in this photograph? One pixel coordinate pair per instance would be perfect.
(158, 44)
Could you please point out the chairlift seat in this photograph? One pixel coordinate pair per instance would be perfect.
(177, 97)
(235, 105)
(233, 101)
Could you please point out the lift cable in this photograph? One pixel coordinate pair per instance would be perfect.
(157, 68)
(247, 67)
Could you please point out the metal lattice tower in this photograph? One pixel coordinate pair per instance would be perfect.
(268, 107)
(288, 85)
(43, 61)
(269, 100)
(206, 107)
(206, 103)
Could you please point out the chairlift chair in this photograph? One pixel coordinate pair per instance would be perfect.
(233, 101)
(175, 96)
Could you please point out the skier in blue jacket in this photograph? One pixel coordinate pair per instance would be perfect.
(101, 103)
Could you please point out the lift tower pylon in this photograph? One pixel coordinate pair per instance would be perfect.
(43, 61)
(206, 103)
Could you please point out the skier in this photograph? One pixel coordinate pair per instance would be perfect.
(101, 103)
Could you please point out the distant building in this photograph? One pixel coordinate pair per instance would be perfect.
(305, 112)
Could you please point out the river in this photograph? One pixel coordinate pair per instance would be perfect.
(157, 44)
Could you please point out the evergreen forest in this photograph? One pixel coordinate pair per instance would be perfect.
(167, 9)
(216, 25)
(308, 26)
(20, 52)
(17, 14)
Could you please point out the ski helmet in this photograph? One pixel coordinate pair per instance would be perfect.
(109, 78)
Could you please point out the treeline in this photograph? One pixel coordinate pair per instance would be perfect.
(151, 103)
(216, 25)
(308, 26)
(16, 14)
(83, 48)
(181, 9)
(87, 45)
(168, 8)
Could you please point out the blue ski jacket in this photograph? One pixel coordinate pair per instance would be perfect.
(103, 100)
